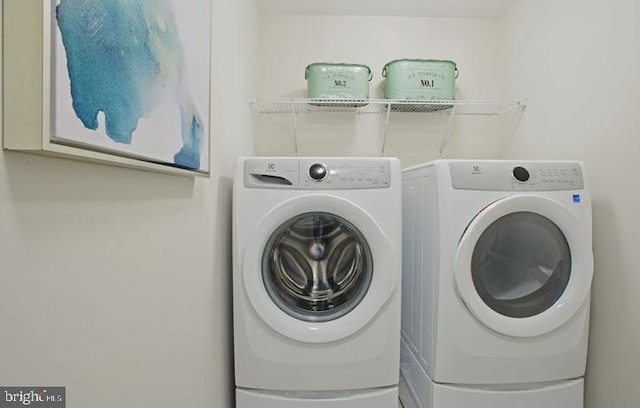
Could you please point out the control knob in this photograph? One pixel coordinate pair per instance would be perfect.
(521, 174)
(318, 171)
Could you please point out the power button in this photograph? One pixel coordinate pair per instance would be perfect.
(318, 171)
(521, 174)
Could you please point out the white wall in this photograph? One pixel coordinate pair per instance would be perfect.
(116, 283)
(289, 43)
(578, 62)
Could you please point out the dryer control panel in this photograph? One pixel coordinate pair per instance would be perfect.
(510, 175)
(318, 173)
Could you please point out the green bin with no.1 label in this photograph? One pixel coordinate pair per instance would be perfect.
(420, 79)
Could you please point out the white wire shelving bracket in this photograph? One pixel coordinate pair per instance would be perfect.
(385, 108)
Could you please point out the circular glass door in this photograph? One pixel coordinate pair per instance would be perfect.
(521, 264)
(317, 266)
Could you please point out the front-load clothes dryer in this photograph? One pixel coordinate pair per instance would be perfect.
(497, 270)
(316, 282)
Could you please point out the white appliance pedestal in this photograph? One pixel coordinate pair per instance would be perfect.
(377, 398)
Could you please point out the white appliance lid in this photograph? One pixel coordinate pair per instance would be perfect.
(524, 266)
(384, 276)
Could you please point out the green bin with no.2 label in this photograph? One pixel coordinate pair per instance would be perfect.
(337, 81)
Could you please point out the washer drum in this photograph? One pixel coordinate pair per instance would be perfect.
(419, 79)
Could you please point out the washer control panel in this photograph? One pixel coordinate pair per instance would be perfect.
(516, 176)
(317, 173)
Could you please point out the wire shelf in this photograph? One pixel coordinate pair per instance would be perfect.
(381, 106)
(303, 111)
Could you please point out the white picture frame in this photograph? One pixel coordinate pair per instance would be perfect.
(37, 112)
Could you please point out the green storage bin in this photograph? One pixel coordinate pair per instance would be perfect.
(336, 81)
(418, 79)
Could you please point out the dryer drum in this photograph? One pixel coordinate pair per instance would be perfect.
(317, 266)
(521, 264)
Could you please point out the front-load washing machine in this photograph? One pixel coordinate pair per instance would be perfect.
(497, 270)
(316, 282)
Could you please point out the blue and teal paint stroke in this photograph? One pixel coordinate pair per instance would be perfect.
(122, 56)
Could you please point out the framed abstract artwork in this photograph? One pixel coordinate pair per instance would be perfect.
(124, 82)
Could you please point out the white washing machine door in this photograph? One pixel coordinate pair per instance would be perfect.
(318, 268)
(524, 266)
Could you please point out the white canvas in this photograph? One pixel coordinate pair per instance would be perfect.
(132, 76)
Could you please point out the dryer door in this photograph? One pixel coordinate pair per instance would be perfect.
(524, 266)
(318, 269)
